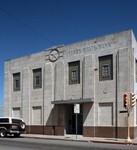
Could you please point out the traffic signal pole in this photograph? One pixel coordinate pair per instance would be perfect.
(127, 105)
(130, 102)
(128, 126)
(128, 117)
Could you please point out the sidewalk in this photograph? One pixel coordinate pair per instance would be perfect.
(81, 138)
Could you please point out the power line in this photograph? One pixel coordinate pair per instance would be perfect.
(27, 26)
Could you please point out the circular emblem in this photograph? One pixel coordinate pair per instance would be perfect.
(54, 54)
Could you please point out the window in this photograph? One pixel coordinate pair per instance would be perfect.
(106, 68)
(37, 78)
(4, 120)
(16, 82)
(16, 112)
(136, 112)
(37, 115)
(74, 72)
(105, 114)
(136, 68)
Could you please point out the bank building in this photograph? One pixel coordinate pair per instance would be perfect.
(92, 75)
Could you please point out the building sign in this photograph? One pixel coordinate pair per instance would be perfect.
(87, 49)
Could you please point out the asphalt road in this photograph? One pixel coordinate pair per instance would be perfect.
(44, 144)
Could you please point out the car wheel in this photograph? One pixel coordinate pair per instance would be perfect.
(22, 125)
(3, 133)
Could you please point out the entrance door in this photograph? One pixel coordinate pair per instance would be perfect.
(79, 124)
(70, 120)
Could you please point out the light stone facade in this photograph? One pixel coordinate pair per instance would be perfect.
(49, 109)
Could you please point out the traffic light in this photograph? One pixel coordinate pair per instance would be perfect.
(125, 100)
(132, 100)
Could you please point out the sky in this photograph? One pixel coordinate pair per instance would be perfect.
(30, 26)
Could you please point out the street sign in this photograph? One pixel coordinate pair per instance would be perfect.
(76, 108)
(76, 111)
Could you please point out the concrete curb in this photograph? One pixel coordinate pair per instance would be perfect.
(78, 140)
(115, 142)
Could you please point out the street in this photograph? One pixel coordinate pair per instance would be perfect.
(44, 144)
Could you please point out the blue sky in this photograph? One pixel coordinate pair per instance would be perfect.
(29, 26)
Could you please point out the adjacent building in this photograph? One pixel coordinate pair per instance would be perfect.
(1, 110)
(43, 88)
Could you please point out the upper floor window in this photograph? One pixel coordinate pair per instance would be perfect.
(136, 68)
(106, 67)
(74, 72)
(37, 78)
(16, 82)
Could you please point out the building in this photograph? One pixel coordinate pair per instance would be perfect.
(43, 88)
(1, 110)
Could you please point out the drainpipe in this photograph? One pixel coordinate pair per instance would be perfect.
(83, 70)
(116, 102)
(43, 95)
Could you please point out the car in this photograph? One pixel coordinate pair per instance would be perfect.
(12, 126)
